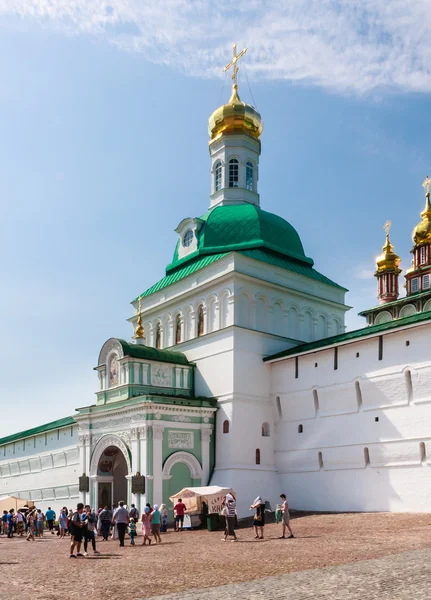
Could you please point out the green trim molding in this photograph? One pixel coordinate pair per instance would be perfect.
(351, 336)
(66, 422)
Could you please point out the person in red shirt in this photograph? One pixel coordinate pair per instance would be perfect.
(179, 508)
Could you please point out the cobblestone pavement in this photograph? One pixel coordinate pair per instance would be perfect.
(396, 577)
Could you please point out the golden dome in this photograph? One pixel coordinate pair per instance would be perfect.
(422, 232)
(139, 330)
(388, 260)
(235, 117)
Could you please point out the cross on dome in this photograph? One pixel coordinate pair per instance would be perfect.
(233, 62)
(426, 185)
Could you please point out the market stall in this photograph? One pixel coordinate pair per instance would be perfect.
(8, 502)
(194, 497)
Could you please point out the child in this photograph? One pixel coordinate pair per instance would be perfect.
(132, 531)
(164, 513)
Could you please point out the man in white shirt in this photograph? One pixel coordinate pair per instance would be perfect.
(121, 520)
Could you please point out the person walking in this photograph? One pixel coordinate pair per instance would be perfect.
(155, 524)
(121, 520)
(4, 523)
(259, 517)
(40, 522)
(286, 518)
(179, 508)
(50, 518)
(146, 526)
(229, 511)
(133, 513)
(89, 520)
(62, 522)
(76, 531)
(105, 520)
(164, 513)
(19, 523)
(10, 521)
(30, 524)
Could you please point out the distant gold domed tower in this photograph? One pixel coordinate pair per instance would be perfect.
(418, 276)
(387, 271)
(234, 130)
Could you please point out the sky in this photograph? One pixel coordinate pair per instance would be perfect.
(104, 150)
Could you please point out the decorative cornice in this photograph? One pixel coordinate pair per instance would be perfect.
(158, 429)
(206, 434)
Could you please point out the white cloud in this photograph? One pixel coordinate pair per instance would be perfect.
(364, 273)
(354, 46)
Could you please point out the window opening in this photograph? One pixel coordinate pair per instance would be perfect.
(278, 405)
(366, 456)
(265, 430)
(200, 320)
(158, 336)
(320, 458)
(426, 282)
(380, 347)
(296, 367)
(335, 358)
(376, 419)
(249, 176)
(218, 177)
(257, 456)
(300, 428)
(409, 385)
(423, 452)
(316, 402)
(358, 394)
(178, 329)
(226, 426)
(188, 238)
(233, 172)
(415, 284)
(422, 255)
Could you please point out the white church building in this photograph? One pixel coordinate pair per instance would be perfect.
(240, 372)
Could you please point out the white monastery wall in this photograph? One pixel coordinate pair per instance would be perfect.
(356, 437)
(43, 468)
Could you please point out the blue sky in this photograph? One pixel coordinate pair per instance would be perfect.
(104, 151)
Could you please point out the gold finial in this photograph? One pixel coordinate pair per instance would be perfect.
(232, 63)
(426, 185)
(139, 331)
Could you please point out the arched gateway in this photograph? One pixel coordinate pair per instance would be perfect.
(110, 469)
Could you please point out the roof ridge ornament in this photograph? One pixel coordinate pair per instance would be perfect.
(139, 336)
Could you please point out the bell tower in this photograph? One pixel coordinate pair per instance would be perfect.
(387, 271)
(234, 147)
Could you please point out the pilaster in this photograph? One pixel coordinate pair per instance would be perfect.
(205, 453)
(158, 429)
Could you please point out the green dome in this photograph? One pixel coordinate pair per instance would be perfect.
(244, 227)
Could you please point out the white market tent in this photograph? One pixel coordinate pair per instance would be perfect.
(192, 497)
(8, 502)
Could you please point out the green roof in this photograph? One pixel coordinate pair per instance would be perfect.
(243, 227)
(66, 422)
(351, 336)
(263, 255)
(184, 271)
(142, 351)
(403, 300)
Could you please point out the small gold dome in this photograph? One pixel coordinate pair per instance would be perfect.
(422, 232)
(235, 117)
(139, 330)
(388, 260)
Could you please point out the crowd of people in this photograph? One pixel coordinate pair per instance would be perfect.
(84, 524)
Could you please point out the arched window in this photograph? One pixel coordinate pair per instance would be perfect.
(257, 456)
(218, 177)
(423, 254)
(233, 172)
(158, 336)
(300, 428)
(265, 430)
(226, 426)
(249, 176)
(200, 320)
(178, 329)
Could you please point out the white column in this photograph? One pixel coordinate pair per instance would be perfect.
(87, 442)
(143, 434)
(205, 453)
(81, 451)
(94, 492)
(136, 459)
(157, 463)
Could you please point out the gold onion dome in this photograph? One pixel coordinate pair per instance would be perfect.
(235, 117)
(388, 260)
(422, 232)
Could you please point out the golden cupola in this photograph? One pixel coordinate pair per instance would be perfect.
(388, 260)
(235, 116)
(422, 232)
